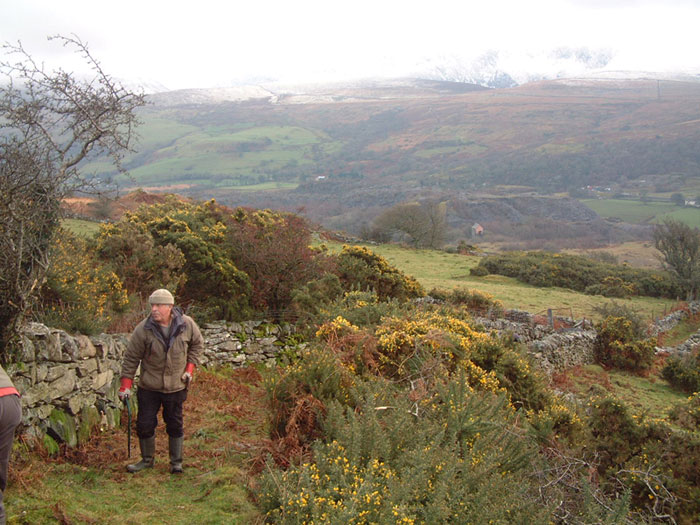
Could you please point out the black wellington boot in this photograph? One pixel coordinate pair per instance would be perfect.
(175, 446)
(148, 450)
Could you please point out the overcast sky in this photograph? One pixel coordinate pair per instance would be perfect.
(208, 43)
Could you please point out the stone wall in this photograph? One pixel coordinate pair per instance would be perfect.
(69, 384)
(553, 350)
(667, 323)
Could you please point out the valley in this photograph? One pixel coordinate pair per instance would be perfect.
(344, 154)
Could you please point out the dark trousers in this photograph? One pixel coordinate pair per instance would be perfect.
(10, 416)
(149, 405)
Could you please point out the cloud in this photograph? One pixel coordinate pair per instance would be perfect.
(210, 43)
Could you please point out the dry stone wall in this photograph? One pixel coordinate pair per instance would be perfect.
(69, 383)
(554, 350)
(667, 323)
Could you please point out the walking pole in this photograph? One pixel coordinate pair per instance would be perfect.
(128, 428)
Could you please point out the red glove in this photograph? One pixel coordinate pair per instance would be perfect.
(125, 388)
(187, 376)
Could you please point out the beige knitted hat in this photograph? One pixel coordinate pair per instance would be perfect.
(161, 296)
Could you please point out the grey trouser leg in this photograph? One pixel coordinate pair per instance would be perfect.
(10, 416)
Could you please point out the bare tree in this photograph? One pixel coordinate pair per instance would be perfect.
(50, 123)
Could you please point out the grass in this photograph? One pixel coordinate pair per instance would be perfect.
(640, 212)
(224, 426)
(681, 331)
(203, 155)
(690, 216)
(650, 396)
(438, 269)
(265, 186)
(639, 254)
(629, 210)
(81, 227)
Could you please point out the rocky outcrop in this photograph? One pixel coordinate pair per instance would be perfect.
(69, 384)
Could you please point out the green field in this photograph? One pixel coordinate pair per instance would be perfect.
(81, 227)
(438, 269)
(638, 212)
(238, 156)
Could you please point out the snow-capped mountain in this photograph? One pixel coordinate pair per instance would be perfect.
(500, 69)
(492, 69)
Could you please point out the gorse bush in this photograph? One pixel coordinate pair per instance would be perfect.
(81, 294)
(683, 372)
(618, 346)
(298, 398)
(612, 286)
(581, 274)
(688, 414)
(459, 458)
(308, 299)
(422, 418)
(141, 263)
(361, 269)
(615, 309)
(363, 309)
(225, 262)
(473, 300)
(657, 465)
(188, 251)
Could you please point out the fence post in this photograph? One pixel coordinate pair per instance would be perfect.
(550, 317)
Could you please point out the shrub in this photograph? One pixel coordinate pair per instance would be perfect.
(617, 346)
(298, 398)
(658, 466)
(362, 308)
(361, 269)
(479, 271)
(274, 250)
(309, 298)
(141, 263)
(687, 415)
(190, 251)
(612, 286)
(80, 294)
(615, 309)
(460, 458)
(579, 273)
(683, 372)
(616, 434)
(403, 343)
(476, 300)
(556, 421)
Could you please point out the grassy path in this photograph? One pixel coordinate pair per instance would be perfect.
(224, 427)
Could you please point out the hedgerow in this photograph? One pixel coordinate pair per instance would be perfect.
(581, 274)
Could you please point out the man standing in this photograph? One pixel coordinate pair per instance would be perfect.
(10, 416)
(167, 345)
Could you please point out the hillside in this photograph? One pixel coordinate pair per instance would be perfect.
(344, 153)
(433, 410)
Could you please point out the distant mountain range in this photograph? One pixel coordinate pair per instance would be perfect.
(491, 69)
(345, 152)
